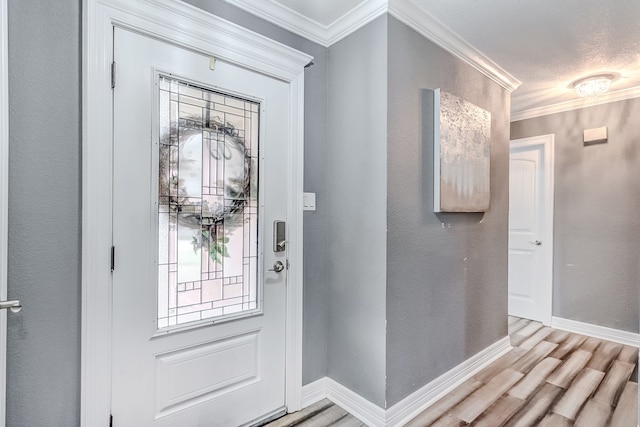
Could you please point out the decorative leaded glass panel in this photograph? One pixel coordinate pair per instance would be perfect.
(207, 204)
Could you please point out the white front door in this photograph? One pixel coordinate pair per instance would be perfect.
(199, 178)
(531, 228)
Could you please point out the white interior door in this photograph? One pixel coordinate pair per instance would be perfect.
(531, 228)
(199, 177)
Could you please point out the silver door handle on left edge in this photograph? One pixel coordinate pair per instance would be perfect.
(13, 305)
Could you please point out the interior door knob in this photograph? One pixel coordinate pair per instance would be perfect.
(278, 266)
(537, 242)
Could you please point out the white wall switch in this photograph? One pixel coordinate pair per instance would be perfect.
(309, 201)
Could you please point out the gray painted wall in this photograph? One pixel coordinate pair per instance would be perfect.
(43, 360)
(314, 354)
(356, 184)
(596, 274)
(446, 273)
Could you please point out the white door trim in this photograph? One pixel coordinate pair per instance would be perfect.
(548, 144)
(183, 25)
(4, 191)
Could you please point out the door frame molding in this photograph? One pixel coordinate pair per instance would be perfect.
(4, 202)
(183, 25)
(547, 142)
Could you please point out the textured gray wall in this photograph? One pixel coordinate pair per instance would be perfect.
(596, 274)
(356, 185)
(43, 360)
(447, 273)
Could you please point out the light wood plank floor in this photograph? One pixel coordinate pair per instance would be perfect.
(549, 378)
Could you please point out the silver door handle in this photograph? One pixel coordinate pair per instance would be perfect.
(537, 242)
(13, 305)
(278, 266)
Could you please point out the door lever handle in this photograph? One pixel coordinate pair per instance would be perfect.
(278, 266)
(537, 242)
(13, 305)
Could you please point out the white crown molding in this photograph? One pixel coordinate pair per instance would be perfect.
(283, 17)
(619, 95)
(412, 13)
(601, 332)
(325, 35)
(358, 17)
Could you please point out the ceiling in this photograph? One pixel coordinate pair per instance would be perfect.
(544, 44)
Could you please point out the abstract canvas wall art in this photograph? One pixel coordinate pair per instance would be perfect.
(462, 152)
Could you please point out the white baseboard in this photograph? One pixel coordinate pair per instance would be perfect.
(367, 412)
(326, 388)
(412, 405)
(314, 392)
(609, 334)
(405, 410)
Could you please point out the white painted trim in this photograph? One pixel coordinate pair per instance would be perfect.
(414, 13)
(325, 35)
(548, 144)
(181, 25)
(295, 210)
(358, 17)
(314, 392)
(601, 332)
(4, 193)
(405, 410)
(411, 12)
(284, 17)
(369, 413)
(619, 95)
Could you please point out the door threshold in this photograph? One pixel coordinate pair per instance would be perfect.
(280, 412)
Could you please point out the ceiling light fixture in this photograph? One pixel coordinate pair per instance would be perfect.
(593, 86)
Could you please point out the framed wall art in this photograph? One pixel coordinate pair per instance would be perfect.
(462, 154)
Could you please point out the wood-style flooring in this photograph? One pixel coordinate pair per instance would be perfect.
(322, 414)
(549, 378)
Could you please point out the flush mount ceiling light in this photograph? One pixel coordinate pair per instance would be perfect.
(593, 86)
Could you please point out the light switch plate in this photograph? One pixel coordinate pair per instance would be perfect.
(309, 201)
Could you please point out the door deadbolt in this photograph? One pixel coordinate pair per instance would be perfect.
(279, 236)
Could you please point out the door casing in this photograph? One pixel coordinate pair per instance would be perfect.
(186, 26)
(548, 144)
